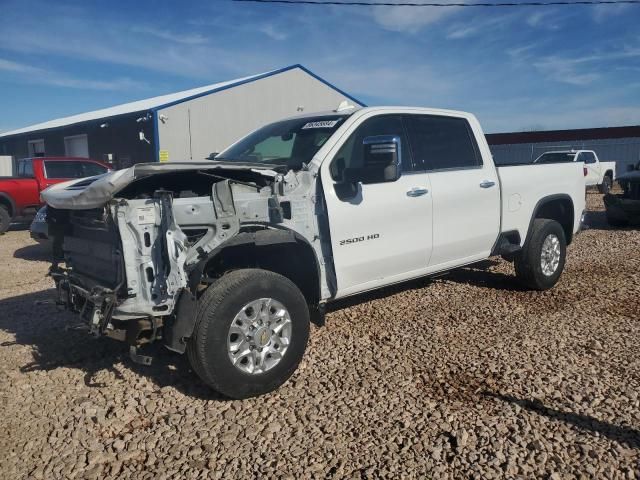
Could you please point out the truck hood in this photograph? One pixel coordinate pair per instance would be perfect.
(94, 192)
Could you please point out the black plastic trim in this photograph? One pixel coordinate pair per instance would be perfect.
(541, 203)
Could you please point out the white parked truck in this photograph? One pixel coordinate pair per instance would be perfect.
(229, 260)
(596, 173)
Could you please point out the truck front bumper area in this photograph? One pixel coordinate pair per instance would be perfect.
(96, 306)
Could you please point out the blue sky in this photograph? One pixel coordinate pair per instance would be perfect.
(516, 69)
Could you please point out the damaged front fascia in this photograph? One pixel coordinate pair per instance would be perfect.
(158, 259)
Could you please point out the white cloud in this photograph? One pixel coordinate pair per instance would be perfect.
(273, 32)
(565, 70)
(601, 13)
(562, 117)
(9, 66)
(410, 19)
(37, 75)
(578, 70)
(546, 19)
(480, 25)
(522, 52)
(184, 38)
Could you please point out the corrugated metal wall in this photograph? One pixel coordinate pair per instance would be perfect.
(624, 151)
(194, 129)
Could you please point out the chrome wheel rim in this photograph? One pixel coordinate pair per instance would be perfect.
(259, 336)
(550, 256)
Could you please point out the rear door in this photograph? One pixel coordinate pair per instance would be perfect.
(465, 190)
(27, 195)
(382, 233)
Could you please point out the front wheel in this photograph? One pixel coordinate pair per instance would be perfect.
(541, 262)
(251, 332)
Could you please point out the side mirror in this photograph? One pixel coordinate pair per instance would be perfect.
(381, 160)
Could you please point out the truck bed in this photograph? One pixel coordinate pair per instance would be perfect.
(523, 185)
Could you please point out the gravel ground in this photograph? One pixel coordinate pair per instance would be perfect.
(462, 376)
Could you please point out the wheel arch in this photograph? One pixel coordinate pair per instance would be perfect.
(558, 207)
(281, 251)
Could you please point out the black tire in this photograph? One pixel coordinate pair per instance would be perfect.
(605, 186)
(528, 262)
(5, 219)
(218, 306)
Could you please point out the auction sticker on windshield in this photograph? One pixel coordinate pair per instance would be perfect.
(321, 124)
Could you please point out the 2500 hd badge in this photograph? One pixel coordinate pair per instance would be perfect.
(349, 241)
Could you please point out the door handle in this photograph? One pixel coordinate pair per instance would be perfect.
(487, 184)
(417, 192)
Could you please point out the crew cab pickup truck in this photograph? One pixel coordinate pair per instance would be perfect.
(229, 260)
(20, 195)
(597, 173)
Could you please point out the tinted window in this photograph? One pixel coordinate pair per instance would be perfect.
(351, 154)
(25, 168)
(442, 142)
(555, 157)
(588, 157)
(61, 169)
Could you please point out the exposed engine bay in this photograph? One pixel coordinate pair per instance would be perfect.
(130, 244)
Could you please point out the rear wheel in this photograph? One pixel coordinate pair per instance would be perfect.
(541, 262)
(605, 186)
(5, 219)
(251, 332)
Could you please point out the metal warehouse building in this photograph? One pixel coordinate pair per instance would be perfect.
(181, 126)
(619, 144)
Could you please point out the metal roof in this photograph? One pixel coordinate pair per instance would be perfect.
(161, 101)
(563, 135)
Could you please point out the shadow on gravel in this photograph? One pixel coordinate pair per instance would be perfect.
(37, 252)
(476, 274)
(37, 322)
(479, 275)
(622, 435)
(385, 292)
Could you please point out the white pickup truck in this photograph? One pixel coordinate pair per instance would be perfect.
(596, 173)
(229, 260)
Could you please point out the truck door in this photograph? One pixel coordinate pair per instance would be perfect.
(29, 194)
(380, 230)
(593, 167)
(465, 190)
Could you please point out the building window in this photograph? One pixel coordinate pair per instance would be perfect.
(36, 147)
(76, 146)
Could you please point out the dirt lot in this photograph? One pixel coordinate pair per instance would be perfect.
(465, 376)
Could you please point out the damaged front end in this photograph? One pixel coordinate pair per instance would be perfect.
(130, 251)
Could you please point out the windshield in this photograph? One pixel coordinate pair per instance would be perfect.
(289, 142)
(555, 157)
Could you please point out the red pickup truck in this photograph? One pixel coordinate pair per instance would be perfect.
(20, 195)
